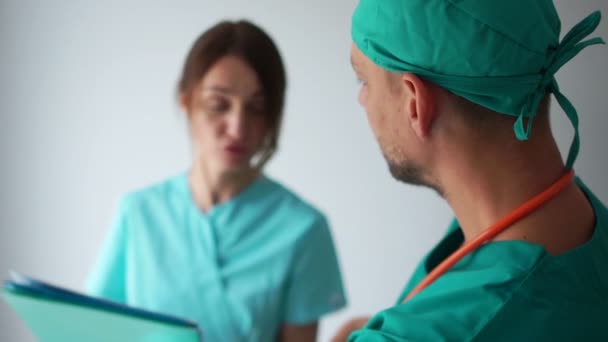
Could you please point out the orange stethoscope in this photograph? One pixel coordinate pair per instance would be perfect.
(489, 233)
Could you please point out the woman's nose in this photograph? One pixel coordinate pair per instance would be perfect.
(237, 124)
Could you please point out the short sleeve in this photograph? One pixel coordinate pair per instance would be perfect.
(433, 320)
(108, 277)
(460, 303)
(315, 285)
(398, 325)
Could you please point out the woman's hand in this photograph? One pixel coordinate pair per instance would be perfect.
(348, 328)
(299, 333)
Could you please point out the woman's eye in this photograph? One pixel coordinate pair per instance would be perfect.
(216, 106)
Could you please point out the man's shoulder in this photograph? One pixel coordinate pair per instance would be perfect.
(462, 302)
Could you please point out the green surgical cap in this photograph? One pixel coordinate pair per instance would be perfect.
(502, 55)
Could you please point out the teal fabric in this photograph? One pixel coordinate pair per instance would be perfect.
(260, 260)
(502, 55)
(71, 322)
(505, 291)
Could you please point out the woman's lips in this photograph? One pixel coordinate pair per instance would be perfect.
(236, 150)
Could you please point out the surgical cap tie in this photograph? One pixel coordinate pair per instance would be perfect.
(570, 46)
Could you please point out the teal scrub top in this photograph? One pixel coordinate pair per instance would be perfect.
(262, 259)
(505, 291)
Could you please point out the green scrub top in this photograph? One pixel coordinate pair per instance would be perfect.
(240, 271)
(505, 291)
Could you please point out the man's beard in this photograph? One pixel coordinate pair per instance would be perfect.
(410, 173)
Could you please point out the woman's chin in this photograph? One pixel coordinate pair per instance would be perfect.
(236, 165)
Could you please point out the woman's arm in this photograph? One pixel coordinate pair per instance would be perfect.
(108, 277)
(298, 333)
(348, 328)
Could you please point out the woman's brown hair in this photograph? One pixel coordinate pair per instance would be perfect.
(247, 41)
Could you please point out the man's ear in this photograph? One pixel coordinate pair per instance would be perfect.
(420, 104)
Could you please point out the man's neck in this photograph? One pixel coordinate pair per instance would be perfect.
(484, 187)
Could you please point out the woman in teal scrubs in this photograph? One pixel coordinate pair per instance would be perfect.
(222, 244)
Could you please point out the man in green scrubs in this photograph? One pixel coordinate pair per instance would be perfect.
(452, 90)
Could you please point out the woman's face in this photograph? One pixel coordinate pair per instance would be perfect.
(228, 119)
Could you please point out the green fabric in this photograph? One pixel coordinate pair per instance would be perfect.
(502, 55)
(505, 291)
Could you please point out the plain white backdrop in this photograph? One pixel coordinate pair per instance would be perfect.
(88, 112)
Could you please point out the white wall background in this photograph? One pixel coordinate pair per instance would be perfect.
(87, 112)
